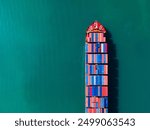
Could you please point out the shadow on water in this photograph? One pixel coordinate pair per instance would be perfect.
(113, 75)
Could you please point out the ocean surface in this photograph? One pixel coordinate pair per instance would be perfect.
(42, 53)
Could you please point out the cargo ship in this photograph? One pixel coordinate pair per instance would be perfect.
(96, 69)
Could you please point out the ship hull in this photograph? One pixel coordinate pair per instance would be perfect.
(96, 70)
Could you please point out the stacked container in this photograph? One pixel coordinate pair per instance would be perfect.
(96, 69)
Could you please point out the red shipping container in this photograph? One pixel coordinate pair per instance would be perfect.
(105, 79)
(104, 91)
(89, 47)
(89, 80)
(90, 110)
(89, 58)
(86, 92)
(102, 58)
(90, 91)
(86, 102)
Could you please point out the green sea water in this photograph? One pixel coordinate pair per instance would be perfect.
(42, 53)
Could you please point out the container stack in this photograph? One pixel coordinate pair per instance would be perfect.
(96, 69)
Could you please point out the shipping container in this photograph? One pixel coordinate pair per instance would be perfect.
(97, 58)
(96, 48)
(96, 69)
(96, 80)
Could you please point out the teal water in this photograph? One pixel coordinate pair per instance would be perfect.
(42, 53)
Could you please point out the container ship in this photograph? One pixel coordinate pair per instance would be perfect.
(96, 69)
